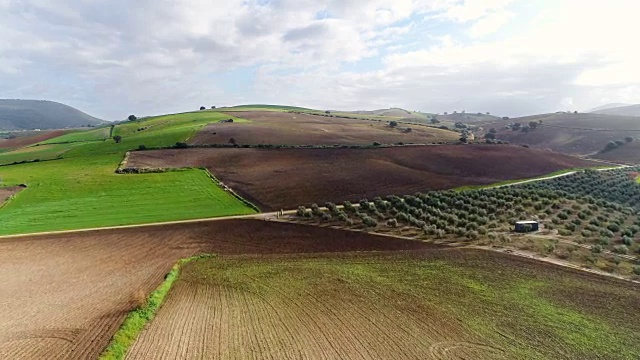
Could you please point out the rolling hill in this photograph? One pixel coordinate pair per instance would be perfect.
(578, 134)
(41, 114)
(629, 110)
(607, 106)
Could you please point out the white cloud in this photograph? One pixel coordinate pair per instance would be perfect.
(115, 57)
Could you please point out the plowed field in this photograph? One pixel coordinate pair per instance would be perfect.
(63, 296)
(440, 304)
(32, 138)
(287, 178)
(270, 127)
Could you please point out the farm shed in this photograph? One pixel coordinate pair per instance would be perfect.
(526, 226)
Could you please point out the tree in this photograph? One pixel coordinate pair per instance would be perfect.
(213, 107)
(463, 139)
(132, 118)
(446, 113)
(117, 139)
(232, 141)
(202, 107)
(393, 123)
(489, 135)
(327, 112)
(515, 126)
(434, 120)
(628, 139)
(493, 130)
(460, 125)
(505, 118)
(533, 124)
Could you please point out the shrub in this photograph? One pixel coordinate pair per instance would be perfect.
(301, 210)
(586, 233)
(369, 221)
(613, 227)
(603, 241)
(627, 241)
(621, 249)
(392, 223)
(473, 235)
(636, 269)
(596, 249)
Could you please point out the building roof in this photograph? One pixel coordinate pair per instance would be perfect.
(526, 222)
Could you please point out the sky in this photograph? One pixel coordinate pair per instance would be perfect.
(112, 58)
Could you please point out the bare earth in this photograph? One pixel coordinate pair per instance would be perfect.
(63, 296)
(6, 192)
(269, 127)
(32, 138)
(286, 178)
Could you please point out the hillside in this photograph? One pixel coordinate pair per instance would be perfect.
(579, 134)
(630, 110)
(41, 114)
(607, 106)
(467, 117)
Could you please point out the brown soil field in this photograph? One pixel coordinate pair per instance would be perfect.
(580, 134)
(39, 136)
(270, 127)
(286, 178)
(440, 304)
(63, 296)
(6, 192)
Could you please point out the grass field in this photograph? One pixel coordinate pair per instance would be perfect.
(439, 304)
(98, 134)
(81, 189)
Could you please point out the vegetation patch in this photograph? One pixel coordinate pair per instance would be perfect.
(80, 189)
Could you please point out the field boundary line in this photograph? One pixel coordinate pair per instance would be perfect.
(138, 318)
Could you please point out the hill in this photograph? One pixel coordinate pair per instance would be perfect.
(41, 114)
(607, 106)
(630, 110)
(579, 134)
(396, 112)
(467, 117)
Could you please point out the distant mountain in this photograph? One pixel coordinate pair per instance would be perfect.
(629, 110)
(41, 114)
(608, 106)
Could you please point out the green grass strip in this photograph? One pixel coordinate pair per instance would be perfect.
(137, 319)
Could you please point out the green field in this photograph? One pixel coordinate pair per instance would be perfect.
(81, 189)
(98, 134)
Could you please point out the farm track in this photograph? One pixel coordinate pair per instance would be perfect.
(64, 295)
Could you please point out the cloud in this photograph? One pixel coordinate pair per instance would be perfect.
(116, 57)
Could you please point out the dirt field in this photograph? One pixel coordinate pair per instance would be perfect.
(268, 127)
(287, 178)
(64, 296)
(440, 304)
(6, 192)
(33, 138)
